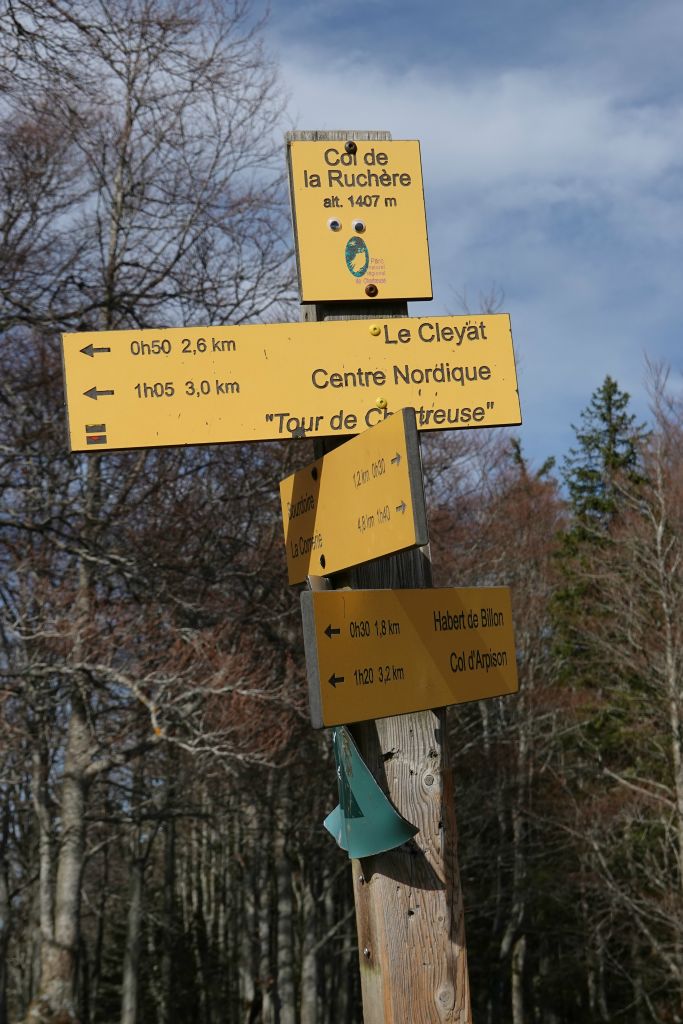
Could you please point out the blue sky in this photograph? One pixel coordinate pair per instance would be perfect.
(552, 151)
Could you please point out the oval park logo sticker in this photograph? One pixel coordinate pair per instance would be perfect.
(357, 256)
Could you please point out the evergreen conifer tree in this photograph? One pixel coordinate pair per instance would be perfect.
(601, 475)
(606, 460)
(608, 450)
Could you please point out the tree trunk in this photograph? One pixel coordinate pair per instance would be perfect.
(5, 910)
(676, 733)
(517, 994)
(56, 997)
(411, 930)
(266, 968)
(96, 971)
(248, 937)
(309, 958)
(39, 797)
(285, 938)
(168, 930)
(513, 944)
(131, 959)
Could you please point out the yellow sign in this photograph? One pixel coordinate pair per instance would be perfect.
(204, 385)
(363, 500)
(359, 220)
(375, 653)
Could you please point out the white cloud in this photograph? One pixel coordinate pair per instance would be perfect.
(560, 184)
(522, 128)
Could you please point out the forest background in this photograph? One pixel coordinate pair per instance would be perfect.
(162, 856)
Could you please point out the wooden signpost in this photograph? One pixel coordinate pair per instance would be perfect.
(409, 908)
(385, 652)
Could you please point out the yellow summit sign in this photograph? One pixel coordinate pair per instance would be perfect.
(359, 220)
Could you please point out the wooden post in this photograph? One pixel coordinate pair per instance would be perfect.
(409, 908)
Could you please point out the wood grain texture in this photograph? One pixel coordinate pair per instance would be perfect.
(408, 902)
(409, 908)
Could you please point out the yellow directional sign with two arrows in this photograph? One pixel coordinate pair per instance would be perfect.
(375, 653)
(363, 500)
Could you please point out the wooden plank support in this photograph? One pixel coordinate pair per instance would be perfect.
(409, 907)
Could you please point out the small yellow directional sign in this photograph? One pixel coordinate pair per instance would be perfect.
(363, 500)
(375, 653)
(205, 385)
(359, 220)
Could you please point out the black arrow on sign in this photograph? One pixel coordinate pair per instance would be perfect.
(95, 394)
(330, 631)
(396, 459)
(335, 679)
(90, 350)
(402, 507)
